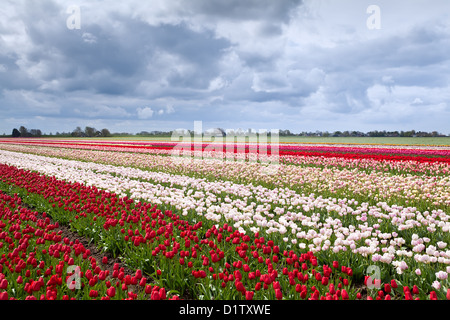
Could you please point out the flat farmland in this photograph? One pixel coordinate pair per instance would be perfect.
(305, 218)
(411, 141)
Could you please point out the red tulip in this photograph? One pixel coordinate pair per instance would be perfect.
(318, 276)
(415, 290)
(239, 286)
(111, 292)
(393, 284)
(93, 293)
(3, 284)
(155, 295)
(448, 294)
(278, 294)
(387, 288)
(344, 294)
(148, 289)
(162, 294)
(303, 294)
(332, 289)
(276, 285)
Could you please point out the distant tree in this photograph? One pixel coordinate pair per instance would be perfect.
(105, 133)
(35, 133)
(90, 131)
(23, 131)
(409, 133)
(77, 132)
(15, 133)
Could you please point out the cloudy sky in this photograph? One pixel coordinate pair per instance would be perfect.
(302, 65)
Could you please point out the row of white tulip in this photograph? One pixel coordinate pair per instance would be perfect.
(432, 189)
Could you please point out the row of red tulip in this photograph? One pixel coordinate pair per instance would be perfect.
(379, 154)
(36, 262)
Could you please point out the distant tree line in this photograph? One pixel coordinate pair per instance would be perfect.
(375, 133)
(78, 132)
(93, 132)
(90, 132)
(154, 133)
(24, 132)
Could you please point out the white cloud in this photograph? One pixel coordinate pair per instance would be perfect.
(170, 109)
(216, 84)
(89, 37)
(145, 113)
(417, 101)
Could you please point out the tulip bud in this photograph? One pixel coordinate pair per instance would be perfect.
(393, 284)
(249, 295)
(415, 290)
(344, 294)
(111, 292)
(278, 294)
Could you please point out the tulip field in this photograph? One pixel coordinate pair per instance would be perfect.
(163, 220)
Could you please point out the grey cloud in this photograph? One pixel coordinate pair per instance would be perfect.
(246, 10)
(119, 62)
